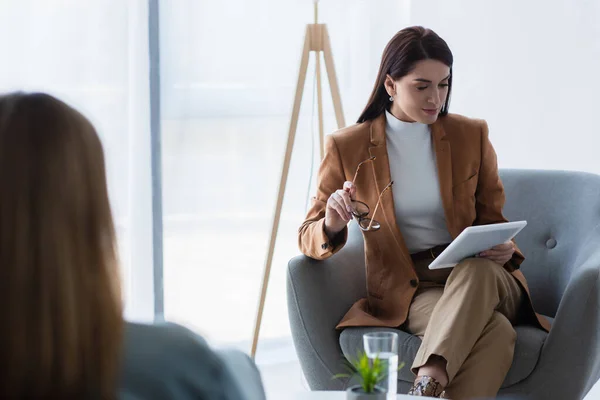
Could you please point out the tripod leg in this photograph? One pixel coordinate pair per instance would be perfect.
(282, 184)
(320, 103)
(333, 83)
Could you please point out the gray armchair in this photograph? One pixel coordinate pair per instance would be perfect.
(561, 244)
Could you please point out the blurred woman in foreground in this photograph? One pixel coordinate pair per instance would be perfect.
(63, 334)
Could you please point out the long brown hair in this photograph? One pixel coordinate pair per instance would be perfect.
(407, 47)
(61, 324)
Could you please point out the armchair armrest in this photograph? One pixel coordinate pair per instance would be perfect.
(569, 364)
(319, 293)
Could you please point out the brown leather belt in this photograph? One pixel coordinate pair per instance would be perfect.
(430, 254)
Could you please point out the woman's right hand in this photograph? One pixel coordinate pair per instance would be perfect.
(339, 209)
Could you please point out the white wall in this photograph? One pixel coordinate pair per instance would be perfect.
(532, 69)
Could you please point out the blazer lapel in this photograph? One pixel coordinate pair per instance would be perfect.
(382, 177)
(443, 155)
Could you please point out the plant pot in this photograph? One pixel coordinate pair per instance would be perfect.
(356, 393)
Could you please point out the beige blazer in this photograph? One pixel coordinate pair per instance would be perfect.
(471, 191)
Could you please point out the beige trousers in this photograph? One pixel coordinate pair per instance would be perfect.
(466, 315)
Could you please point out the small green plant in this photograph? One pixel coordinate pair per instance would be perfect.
(370, 372)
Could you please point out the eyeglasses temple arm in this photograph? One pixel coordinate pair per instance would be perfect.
(358, 168)
(379, 202)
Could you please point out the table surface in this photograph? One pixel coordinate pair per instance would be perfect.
(331, 395)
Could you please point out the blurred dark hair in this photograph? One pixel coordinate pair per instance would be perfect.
(59, 281)
(407, 47)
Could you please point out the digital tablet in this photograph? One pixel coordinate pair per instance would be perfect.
(475, 239)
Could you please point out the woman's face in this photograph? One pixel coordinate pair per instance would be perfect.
(420, 95)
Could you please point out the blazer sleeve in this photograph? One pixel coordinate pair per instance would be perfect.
(489, 197)
(312, 239)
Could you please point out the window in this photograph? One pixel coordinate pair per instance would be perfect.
(94, 56)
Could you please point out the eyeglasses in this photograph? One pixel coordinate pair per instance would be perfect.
(360, 209)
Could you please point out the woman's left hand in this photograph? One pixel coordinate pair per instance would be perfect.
(500, 254)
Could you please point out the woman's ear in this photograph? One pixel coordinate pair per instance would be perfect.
(390, 85)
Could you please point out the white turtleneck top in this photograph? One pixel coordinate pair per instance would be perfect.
(417, 199)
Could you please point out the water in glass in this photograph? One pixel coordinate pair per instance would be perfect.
(389, 361)
(384, 345)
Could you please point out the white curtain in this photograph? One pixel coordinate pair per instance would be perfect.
(228, 74)
(93, 55)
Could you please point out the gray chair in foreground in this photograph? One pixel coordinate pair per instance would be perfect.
(168, 361)
(561, 244)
